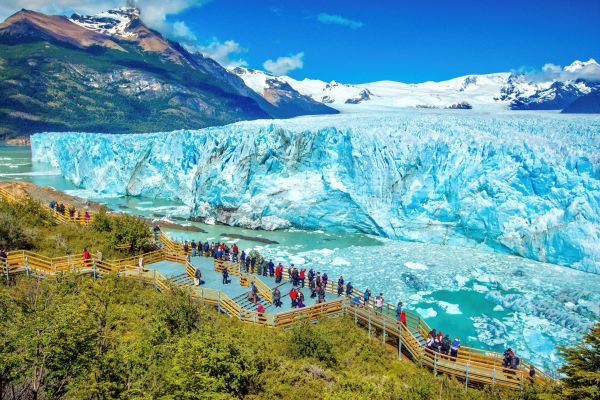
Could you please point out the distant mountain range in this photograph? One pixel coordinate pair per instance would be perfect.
(111, 73)
(501, 90)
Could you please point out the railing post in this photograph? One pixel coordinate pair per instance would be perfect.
(27, 265)
(467, 376)
(400, 346)
(154, 273)
(6, 269)
(435, 360)
(494, 376)
(94, 269)
(369, 324)
(384, 333)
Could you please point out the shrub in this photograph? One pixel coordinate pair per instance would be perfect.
(305, 341)
(582, 367)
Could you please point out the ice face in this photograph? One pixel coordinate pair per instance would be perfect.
(528, 184)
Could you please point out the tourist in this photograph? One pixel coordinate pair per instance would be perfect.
(197, 277)
(356, 301)
(243, 258)
(278, 273)
(514, 363)
(141, 263)
(71, 212)
(318, 279)
(531, 373)
(193, 246)
(301, 275)
(295, 278)
(311, 276)
(366, 296)
(271, 266)
(276, 297)
(399, 310)
(99, 256)
(206, 249)
(52, 204)
(265, 270)
(76, 215)
(252, 264)
(87, 218)
(379, 303)
(446, 344)
(254, 292)
(349, 289)
(440, 336)
(225, 276)
(312, 286)
(261, 310)
(293, 295)
(86, 257)
(186, 247)
(234, 251)
(3, 256)
(454, 348)
(324, 279)
(340, 287)
(300, 299)
(403, 318)
(321, 294)
(248, 269)
(290, 269)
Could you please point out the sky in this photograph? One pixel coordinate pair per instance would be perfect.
(365, 41)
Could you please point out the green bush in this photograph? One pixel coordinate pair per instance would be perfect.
(582, 367)
(305, 341)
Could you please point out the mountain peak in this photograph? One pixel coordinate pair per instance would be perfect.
(114, 22)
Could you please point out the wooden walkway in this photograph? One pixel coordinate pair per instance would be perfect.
(473, 366)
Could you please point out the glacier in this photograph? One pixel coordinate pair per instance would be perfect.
(523, 183)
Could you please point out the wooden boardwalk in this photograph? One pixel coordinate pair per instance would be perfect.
(169, 267)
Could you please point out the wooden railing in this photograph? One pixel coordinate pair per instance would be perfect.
(471, 364)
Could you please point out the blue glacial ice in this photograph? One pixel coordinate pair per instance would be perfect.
(523, 183)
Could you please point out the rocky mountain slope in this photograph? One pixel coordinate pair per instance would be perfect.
(111, 73)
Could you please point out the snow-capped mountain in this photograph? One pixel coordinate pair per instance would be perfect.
(112, 22)
(503, 90)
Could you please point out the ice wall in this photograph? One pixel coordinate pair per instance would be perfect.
(524, 183)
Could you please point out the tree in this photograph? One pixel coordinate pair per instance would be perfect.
(582, 367)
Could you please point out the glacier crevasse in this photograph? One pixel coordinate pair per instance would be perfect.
(528, 184)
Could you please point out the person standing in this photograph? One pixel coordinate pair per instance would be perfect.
(193, 246)
(261, 311)
(349, 289)
(86, 257)
(225, 276)
(455, 347)
(399, 310)
(301, 275)
(293, 295)
(276, 297)
(197, 277)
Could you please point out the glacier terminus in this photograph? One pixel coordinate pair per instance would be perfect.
(525, 183)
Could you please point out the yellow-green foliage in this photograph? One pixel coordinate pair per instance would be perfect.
(28, 225)
(114, 338)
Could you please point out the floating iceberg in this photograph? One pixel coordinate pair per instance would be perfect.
(525, 183)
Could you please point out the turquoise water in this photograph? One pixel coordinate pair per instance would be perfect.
(488, 299)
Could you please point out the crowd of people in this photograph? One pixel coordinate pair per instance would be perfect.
(70, 212)
(436, 341)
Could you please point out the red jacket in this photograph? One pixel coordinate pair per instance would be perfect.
(86, 255)
(301, 273)
(260, 308)
(403, 317)
(234, 248)
(293, 294)
(278, 270)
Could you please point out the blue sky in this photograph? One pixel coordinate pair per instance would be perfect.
(362, 41)
(408, 41)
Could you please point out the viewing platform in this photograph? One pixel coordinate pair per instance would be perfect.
(170, 267)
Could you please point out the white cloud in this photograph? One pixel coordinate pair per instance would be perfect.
(154, 12)
(225, 53)
(335, 19)
(588, 70)
(283, 65)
